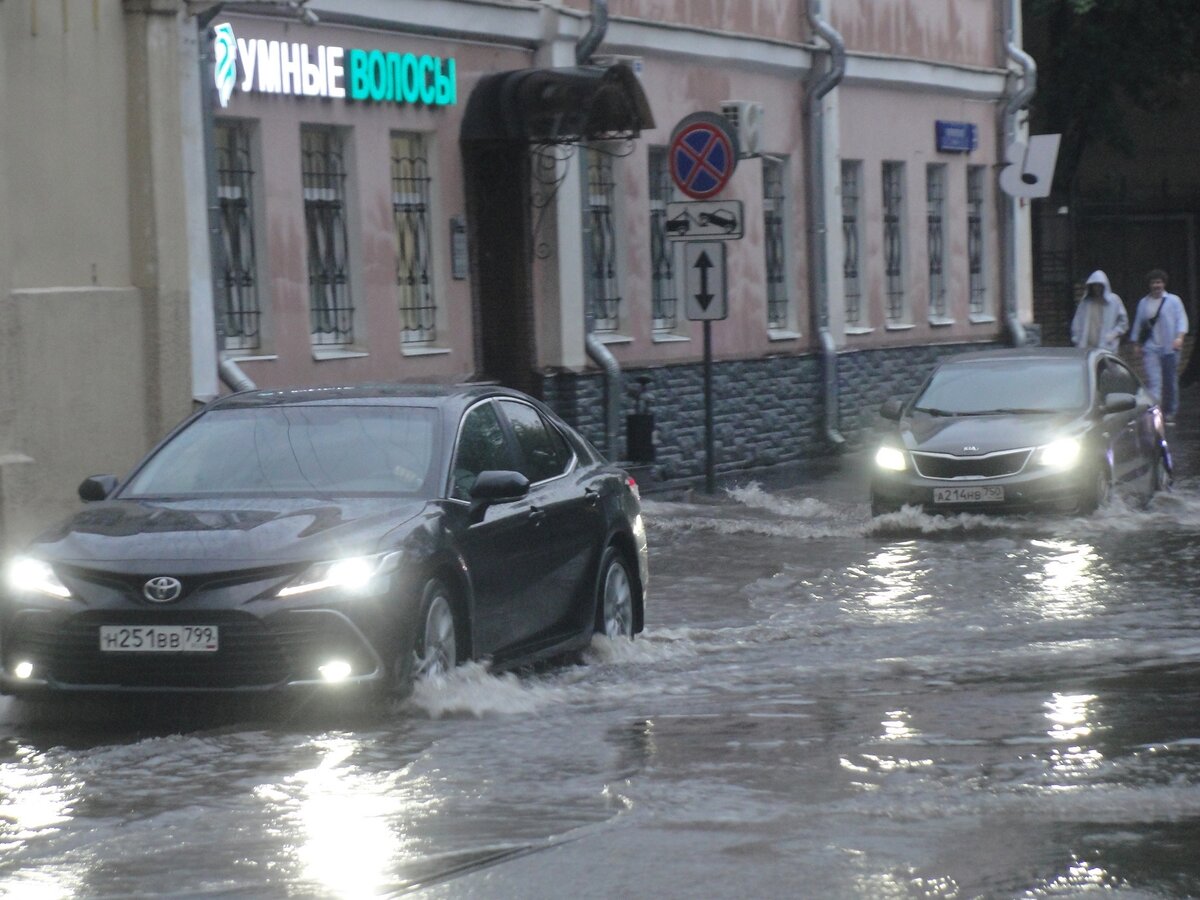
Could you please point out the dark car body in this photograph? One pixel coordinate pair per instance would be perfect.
(233, 547)
(1021, 430)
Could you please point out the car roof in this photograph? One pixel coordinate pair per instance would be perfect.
(450, 396)
(1023, 353)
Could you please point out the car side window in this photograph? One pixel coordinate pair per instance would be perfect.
(1116, 379)
(544, 452)
(482, 447)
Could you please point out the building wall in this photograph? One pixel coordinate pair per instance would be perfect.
(93, 295)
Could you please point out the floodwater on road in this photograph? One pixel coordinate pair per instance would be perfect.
(822, 705)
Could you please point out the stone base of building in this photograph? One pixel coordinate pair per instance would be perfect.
(767, 413)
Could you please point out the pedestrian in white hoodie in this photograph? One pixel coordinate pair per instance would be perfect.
(1100, 318)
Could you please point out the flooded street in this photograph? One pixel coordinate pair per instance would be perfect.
(822, 705)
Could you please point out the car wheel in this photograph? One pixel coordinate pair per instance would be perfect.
(1159, 478)
(1098, 494)
(436, 649)
(880, 508)
(614, 595)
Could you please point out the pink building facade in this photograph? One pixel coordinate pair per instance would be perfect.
(366, 238)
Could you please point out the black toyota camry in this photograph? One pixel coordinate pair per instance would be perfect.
(1024, 430)
(331, 536)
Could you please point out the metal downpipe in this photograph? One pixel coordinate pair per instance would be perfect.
(596, 350)
(817, 225)
(1016, 100)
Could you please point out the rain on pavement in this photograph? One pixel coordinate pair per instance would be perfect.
(822, 705)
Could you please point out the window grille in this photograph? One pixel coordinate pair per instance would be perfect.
(935, 197)
(411, 214)
(235, 181)
(893, 238)
(978, 283)
(603, 299)
(331, 307)
(773, 242)
(664, 292)
(851, 218)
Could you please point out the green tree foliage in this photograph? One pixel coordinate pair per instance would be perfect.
(1097, 57)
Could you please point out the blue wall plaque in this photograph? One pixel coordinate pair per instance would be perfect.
(956, 137)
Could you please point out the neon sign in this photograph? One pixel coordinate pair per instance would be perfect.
(299, 70)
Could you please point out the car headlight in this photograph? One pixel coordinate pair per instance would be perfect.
(354, 574)
(891, 458)
(33, 576)
(1060, 454)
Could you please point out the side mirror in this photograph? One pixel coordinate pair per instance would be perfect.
(97, 487)
(499, 487)
(1115, 403)
(892, 408)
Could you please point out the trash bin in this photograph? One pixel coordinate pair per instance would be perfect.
(639, 425)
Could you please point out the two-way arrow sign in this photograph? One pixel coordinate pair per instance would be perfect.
(704, 281)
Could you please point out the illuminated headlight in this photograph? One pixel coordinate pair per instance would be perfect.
(335, 670)
(29, 575)
(355, 574)
(1060, 454)
(890, 458)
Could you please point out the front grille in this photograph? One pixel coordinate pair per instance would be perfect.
(252, 653)
(994, 465)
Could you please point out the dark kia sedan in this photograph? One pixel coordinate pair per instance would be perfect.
(1024, 430)
(336, 536)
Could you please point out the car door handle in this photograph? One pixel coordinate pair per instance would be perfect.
(537, 515)
(591, 495)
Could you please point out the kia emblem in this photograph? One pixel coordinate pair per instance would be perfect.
(162, 589)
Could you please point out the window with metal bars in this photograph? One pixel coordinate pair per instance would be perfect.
(664, 293)
(323, 167)
(893, 240)
(411, 216)
(242, 316)
(778, 311)
(975, 254)
(851, 239)
(600, 242)
(935, 202)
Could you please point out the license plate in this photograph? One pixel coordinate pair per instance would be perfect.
(158, 638)
(968, 495)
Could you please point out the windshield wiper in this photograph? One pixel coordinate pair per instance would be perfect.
(934, 412)
(1020, 411)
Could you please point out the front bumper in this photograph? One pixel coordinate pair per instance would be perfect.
(1028, 492)
(281, 651)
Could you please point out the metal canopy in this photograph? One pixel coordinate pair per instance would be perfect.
(564, 105)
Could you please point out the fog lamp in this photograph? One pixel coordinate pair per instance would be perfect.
(335, 670)
(23, 669)
(890, 458)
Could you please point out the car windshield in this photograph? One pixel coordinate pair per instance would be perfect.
(1014, 385)
(297, 451)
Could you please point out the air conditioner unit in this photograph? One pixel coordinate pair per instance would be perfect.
(746, 117)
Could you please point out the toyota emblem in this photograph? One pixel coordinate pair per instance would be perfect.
(163, 589)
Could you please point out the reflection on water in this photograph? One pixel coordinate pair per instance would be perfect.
(1070, 584)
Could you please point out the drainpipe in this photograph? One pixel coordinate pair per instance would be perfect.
(1019, 92)
(599, 353)
(821, 83)
(228, 370)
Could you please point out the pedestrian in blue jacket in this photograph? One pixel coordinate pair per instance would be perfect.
(1100, 318)
(1160, 325)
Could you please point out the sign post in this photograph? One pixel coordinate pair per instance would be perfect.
(706, 300)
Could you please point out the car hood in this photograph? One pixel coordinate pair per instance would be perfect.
(223, 534)
(969, 435)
